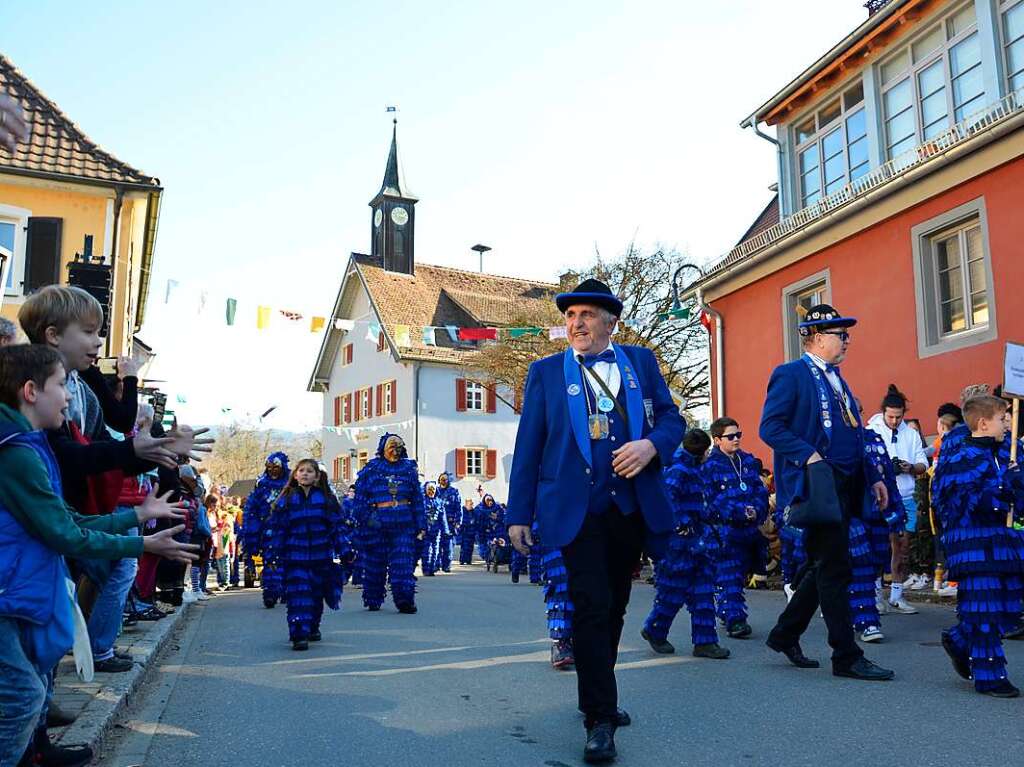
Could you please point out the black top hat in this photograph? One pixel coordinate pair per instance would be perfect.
(590, 292)
(823, 316)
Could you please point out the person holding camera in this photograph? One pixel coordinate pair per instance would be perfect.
(906, 451)
(810, 421)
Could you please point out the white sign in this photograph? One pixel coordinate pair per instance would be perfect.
(1013, 370)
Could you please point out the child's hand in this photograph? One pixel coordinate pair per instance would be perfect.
(163, 545)
(158, 507)
(155, 450)
(186, 441)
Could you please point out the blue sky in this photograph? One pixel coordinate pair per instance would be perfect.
(544, 130)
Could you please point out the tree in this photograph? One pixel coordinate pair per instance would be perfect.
(240, 451)
(644, 283)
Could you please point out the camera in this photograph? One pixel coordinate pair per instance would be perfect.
(897, 466)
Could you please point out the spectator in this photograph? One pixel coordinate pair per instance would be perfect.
(8, 332)
(906, 451)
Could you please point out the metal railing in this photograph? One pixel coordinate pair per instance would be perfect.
(1006, 107)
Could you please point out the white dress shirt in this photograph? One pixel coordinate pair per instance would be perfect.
(606, 371)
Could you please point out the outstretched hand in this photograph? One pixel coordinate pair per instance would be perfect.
(160, 507)
(186, 441)
(163, 545)
(522, 538)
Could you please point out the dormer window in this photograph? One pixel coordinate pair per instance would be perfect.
(832, 146)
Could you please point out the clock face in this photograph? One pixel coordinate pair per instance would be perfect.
(399, 216)
(378, 216)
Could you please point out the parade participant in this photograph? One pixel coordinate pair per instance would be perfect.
(597, 425)
(353, 570)
(437, 525)
(453, 517)
(487, 513)
(975, 487)
(467, 532)
(810, 422)
(494, 535)
(255, 529)
(390, 520)
(535, 562)
(559, 609)
(686, 574)
(307, 535)
(737, 497)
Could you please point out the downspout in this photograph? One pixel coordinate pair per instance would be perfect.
(780, 170)
(719, 364)
(118, 201)
(416, 410)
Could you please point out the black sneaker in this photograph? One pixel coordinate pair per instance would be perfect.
(515, 577)
(660, 646)
(406, 608)
(1002, 690)
(713, 651)
(113, 665)
(739, 630)
(300, 644)
(961, 663)
(315, 637)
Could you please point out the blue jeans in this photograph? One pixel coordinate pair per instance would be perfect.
(105, 618)
(22, 693)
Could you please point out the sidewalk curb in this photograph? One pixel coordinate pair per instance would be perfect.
(110, 699)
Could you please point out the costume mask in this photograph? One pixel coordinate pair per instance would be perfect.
(393, 449)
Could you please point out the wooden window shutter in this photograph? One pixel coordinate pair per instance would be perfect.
(460, 394)
(380, 399)
(42, 253)
(346, 468)
(357, 405)
(348, 354)
(346, 408)
(491, 464)
(380, 341)
(337, 411)
(492, 398)
(394, 396)
(337, 469)
(460, 462)
(369, 400)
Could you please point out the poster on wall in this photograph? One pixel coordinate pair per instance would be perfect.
(1013, 370)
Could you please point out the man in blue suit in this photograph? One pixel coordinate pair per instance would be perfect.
(597, 426)
(810, 417)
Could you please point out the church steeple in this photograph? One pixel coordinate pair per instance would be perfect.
(394, 216)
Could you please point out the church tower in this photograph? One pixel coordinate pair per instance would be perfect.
(394, 216)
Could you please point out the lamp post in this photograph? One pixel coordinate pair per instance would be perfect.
(481, 249)
(675, 282)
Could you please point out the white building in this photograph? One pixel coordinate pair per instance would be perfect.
(450, 417)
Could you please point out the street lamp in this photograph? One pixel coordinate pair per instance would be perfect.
(481, 249)
(675, 282)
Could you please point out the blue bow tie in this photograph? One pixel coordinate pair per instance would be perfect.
(589, 360)
(830, 368)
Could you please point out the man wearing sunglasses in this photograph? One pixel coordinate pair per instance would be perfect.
(810, 416)
(738, 498)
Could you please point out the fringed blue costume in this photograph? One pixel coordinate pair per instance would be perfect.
(556, 595)
(530, 563)
(389, 516)
(972, 492)
(452, 502)
(307, 533)
(731, 486)
(430, 548)
(467, 535)
(490, 526)
(256, 512)
(686, 574)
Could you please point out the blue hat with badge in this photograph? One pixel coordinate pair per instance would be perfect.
(820, 317)
(590, 292)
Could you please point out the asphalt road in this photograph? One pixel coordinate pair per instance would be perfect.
(466, 682)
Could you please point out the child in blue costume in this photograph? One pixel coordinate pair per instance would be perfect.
(452, 502)
(734, 492)
(974, 488)
(467, 533)
(558, 605)
(254, 522)
(437, 525)
(493, 533)
(686, 574)
(307, 534)
(390, 519)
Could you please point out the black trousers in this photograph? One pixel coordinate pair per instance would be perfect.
(600, 562)
(824, 580)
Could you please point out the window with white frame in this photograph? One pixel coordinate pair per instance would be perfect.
(832, 146)
(960, 279)
(474, 395)
(933, 83)
(388, 392)
(1013, 43)
(475, 457)
(363, 458)
(364, 404)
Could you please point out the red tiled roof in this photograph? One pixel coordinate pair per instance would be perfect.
(56, 146)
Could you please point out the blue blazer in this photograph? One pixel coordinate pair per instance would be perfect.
(552, 463)
(791, 426)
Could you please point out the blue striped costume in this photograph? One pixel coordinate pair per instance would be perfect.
(452, 501)
(386, 532)
(686, 574)
(972, 491)
(556, 595)
(307, 533)
(530, 563)
(490, 525)
(730, 486)
(256, 512)
(467, 535)
(429, 549)
(353, 570)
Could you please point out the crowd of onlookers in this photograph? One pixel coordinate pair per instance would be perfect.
(101, 514)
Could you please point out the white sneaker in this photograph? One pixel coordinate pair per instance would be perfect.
(882, 605)
(872, 634)
(188, 596)
(947, 591)
(902, 607)
(909, 582)
(922, 582)
(788, 591)
(204, 597)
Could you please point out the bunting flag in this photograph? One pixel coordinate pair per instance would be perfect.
(429, 337)
(317, 324)
(229, 311)
(373, 331)
(171, 285)
(705, 320)
(262, 317)
(291, 316)
(556, 333)
(453, 333)
(520, 332)
(181, 399)
(478, 334)
(345, 325)
(674, 314)
(402, 335)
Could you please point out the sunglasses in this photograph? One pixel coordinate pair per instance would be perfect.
(841, 334)
(734, 435)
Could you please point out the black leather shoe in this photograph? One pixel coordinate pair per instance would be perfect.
(407, 608)
(315, 637)
(961, 664)
(739, 630)
(300, 644)
(713, 651)
(600, 747)
(864, 669)
(661, 646)
(622, 718)
(1003, 690)
(795, 654)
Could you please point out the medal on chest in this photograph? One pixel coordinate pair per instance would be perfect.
(605, 403)
(598, 424)
(393, 487)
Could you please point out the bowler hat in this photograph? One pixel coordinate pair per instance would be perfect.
(590, 292)
(823, 316)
